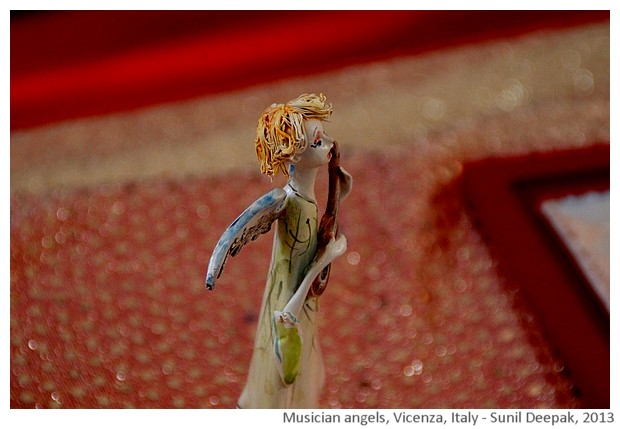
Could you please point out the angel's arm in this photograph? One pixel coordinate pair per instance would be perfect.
(335, 248)
(286, 328)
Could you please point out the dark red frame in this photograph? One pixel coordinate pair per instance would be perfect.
(504, 196)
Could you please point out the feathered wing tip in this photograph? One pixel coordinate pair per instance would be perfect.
(249, 225)
(280, 136)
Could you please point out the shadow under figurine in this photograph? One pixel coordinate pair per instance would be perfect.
(286, 370)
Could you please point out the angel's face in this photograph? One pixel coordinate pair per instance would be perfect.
(317, 151)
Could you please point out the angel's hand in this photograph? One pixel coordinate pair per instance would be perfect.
(336, 247)
(346, 183)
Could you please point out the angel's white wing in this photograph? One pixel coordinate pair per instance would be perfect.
(254, 220)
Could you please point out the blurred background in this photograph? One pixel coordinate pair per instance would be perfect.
(470, 280)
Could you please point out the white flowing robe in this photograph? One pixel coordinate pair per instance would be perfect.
(294, 250)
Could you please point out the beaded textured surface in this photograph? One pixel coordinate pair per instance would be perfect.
(109, 307)
(108, 304)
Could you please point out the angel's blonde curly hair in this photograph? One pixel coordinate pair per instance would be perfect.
(280, 134)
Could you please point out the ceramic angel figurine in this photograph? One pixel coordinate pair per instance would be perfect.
(286, 370)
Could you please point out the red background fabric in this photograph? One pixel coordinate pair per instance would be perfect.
(66, 65)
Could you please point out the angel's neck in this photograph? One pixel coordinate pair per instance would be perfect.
(302, 181)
